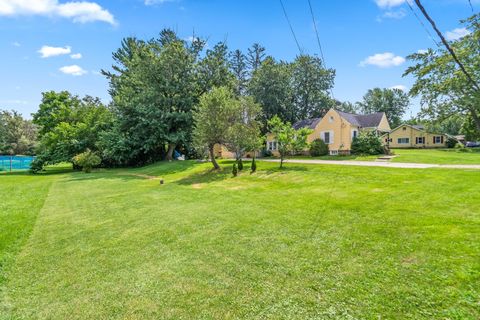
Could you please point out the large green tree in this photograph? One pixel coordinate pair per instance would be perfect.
(292, 91)
(238, 65)
(446, 90)
(394, 102)
(154, 91)
(244, 134)
(216, 113)
(17, 135)
(271, 88)
(155, 86)
(311, 83)
(69, 126)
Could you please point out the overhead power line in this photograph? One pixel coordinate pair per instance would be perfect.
(449, 48)
(319, 42)
(471, 6)
(290, 25)
(423, 24)
(316, 32)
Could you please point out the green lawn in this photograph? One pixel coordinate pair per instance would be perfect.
(307, 242)
(337, 158)
(437, 156)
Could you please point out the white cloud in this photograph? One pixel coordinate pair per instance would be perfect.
(457, 34)
(395, 14)
(153, 2)
(383, 60)
(400, 87)
(422, 51)
(73, 70)
(78, 11)
(47, 51)
(389, 3)
(16, 44)
(76, 56)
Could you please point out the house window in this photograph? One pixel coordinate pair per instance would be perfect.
(437, 139)
(354, 134)
(420, 140)
(330, 120)
(334, 152)
(403, 140)
(326, 137)
(272, 146)
(404, 128)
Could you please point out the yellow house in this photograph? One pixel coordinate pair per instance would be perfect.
(413, 136)
(337, 129)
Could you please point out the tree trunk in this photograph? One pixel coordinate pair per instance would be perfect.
(476, 118)
(171, 148)
(281, 162)
(212, 157)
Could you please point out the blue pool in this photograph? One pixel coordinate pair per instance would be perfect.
(10, 163)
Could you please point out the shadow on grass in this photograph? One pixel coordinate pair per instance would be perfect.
(207, 176)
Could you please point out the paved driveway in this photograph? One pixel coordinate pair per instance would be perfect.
(378, 164)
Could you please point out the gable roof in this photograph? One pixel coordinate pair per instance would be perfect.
(363, 120)
(308, 123)
(416, 127)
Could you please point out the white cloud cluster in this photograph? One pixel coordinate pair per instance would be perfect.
(78, 11)
(384, 4)
(457, 34)
(383, 60)
(47, 51)
(153, 2)
(76, 56)
(73, 70)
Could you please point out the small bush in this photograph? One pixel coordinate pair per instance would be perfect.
(451, 143)
(234, 170)
(87, 160)
(254, 166)
(240, 165)
(318, 148)
(267, 153)
(461, 148)
(367, 143)
(37, 165)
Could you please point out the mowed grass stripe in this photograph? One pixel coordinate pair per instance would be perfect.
(304, 242)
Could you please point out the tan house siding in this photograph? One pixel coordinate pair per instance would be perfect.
(416, 138)
(339, 129)
(222, 152)
(384, 126)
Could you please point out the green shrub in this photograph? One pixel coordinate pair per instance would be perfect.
(318, 148)
(254, 166)
(37, 164)
(235, 170)
(87, 160)
(267, 153)
(367, 143)
(451, 143)
(240, 165)
(461, 148)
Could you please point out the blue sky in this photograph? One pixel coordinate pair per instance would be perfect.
(364, 40)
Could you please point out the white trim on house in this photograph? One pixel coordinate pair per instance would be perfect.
(355, 133)
(272, 145)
